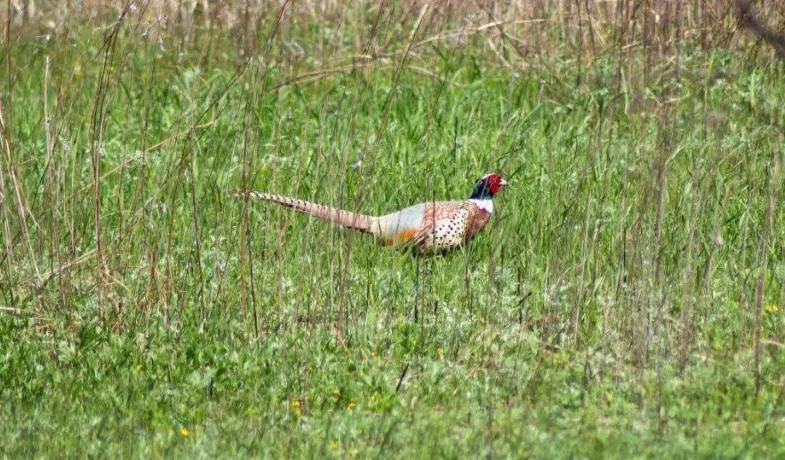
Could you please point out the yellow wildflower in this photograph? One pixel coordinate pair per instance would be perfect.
(336, 391)
(333, 445)
(771, 308)
(352, 404)
(184, 432)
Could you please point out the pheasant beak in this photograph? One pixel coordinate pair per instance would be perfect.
(503, 183)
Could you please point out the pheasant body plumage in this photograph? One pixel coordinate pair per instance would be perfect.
(435, 226)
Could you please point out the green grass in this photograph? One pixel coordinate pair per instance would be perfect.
(609, 309)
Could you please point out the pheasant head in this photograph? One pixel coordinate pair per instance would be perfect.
(488, 186)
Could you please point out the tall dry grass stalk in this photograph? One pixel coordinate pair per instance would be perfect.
(517, 32)
(773, 182)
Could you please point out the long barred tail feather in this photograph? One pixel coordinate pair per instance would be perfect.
(347, 219)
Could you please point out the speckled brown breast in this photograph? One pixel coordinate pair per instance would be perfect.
(477, 220)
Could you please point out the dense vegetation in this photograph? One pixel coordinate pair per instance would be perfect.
(628, 297)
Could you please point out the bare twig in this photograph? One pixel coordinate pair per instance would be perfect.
(400, 379)
(749, 19)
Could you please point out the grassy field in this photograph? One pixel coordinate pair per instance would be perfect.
(627, 298)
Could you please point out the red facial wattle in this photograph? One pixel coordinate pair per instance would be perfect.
(495, 186)
(494, 183)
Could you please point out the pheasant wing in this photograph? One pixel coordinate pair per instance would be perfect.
(443, 226)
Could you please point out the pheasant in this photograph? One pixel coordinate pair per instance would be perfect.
(430, 227)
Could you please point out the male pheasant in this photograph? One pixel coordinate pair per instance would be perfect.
(431, 227)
